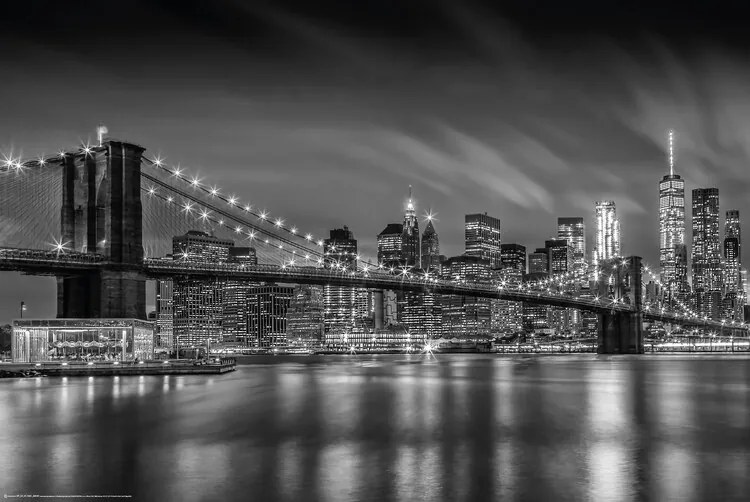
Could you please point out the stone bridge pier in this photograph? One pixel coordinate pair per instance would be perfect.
(621, 332)
(102, 213)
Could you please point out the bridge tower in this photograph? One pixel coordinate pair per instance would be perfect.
(621, 332)
(102, 213)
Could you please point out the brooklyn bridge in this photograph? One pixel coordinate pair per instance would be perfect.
(99, 218)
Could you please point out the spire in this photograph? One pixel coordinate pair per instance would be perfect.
(671, 152)
(410, 205)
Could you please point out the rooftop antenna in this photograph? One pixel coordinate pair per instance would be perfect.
(100, 132)
(671, 152)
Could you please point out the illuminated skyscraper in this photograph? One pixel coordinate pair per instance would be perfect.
(672, 249)
(607, 243)
(482, 238)
(198, 304)
(513, 256)
(466, 316)
(234, 323)
(573, 230)
(430, 248)
(734, 296)
(706, 252)
(340, 251)
(390, 244)
(410, 235)
(507, 316)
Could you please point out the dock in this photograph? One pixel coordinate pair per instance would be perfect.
(213, 366)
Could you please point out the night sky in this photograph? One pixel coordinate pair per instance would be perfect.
(324, 112)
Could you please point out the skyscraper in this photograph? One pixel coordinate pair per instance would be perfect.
(234, 323)
(507, 316)
(390, 244)
(164, 314)
(560, 256)
(430, 248)
(734, 297)
(513, 256)
(410, 235)
(267, 311)
(706, 252)
(573, 230)
(672, 249)
(198, 304)
(340, 250)
(607, 243)
(482, 238)
(466, 316)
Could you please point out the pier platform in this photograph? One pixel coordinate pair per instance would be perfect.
(213, 366)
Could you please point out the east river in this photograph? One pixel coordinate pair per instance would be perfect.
(383, 428)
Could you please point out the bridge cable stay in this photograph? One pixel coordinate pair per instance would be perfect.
(196, 200)
(165, 216)
(30, 205)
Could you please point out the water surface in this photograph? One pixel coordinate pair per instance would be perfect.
(382, 428)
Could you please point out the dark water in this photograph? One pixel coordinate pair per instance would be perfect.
(464, 427)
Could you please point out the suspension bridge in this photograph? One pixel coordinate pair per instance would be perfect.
(101, 220)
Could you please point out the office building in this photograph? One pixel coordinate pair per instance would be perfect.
(513, 256)
(482, 238)
(607, 242)
(339, 302)
(430, 248)
(234, 323)
(734, 291)
(410, 249)
(267, 311)
(706, 252)
(465, 316)
(164, 315)
(198, 304)
(390, 245)
(305, 317)
(672, 247)
(573, 230)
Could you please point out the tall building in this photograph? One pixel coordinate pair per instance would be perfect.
(430, 248)
(234, 323)
(304, 323)
(466, 316)
(573, 230)
(339, 302)
(706, 252)
(539, 261)
(672, 248)
(164, 314)
(482, 238)
(507, 316)
(267, 311)
(734, 295)
(513, 256)
(410, 248)
(560, 256)
(390, 245)
(198, 304)
(607, 243)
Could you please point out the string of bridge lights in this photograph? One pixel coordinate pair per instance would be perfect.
(232, 200)
(687, 311)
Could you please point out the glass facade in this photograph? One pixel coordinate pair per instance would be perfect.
(40, 340)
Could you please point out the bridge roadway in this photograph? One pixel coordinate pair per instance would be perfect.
(65, 263)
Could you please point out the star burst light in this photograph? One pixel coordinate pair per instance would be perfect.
(41, 161)
(214, 191)
(232, 200)
(428, 350)
(158, 161)
(59, 246)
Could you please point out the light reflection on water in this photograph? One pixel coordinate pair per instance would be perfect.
(464, 427)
